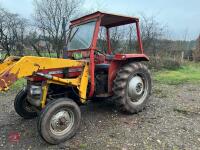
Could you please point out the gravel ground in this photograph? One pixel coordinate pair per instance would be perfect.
(170, 121)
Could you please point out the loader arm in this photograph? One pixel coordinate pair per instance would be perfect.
(13, 69)
(8, 62)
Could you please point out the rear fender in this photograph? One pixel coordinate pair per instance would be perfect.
(134, 57)
(120, 60)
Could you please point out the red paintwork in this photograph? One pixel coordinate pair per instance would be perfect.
(38, 78)
(139, 37)
(130, 56)
(108, 20)
(114, 66)
(92, 63)
(92, 68)
(74, 72)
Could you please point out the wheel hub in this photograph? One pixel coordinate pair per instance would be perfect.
(135, 87)
(62, 122)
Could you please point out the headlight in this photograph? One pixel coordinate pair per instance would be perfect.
(35, 90)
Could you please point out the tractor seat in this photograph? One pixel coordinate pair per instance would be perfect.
(102, 67)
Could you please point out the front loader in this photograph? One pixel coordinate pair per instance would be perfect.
(56, 87)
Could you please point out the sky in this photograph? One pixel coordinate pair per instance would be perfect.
(182, 17)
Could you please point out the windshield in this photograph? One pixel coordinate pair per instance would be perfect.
(81, 36)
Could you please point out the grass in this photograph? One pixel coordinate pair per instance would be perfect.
(189, 73)
(18, 85)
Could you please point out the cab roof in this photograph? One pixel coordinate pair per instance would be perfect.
(107, 19)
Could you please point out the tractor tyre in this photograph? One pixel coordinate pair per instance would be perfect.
(132, 87)
(59, 120)
(22, 106)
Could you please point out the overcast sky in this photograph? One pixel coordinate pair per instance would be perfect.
(181, 16)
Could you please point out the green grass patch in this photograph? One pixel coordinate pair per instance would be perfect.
(18, 85)
(189, 73)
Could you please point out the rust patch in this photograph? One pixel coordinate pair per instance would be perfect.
(6, 79)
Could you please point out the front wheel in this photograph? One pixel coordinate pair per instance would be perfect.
(22, 106)
(59, 120)
(132, 87)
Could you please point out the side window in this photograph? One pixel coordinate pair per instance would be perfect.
(81, 36)
(123, 39)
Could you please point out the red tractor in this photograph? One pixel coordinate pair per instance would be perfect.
(56, 87)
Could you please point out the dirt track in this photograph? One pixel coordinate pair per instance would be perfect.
(171, 121)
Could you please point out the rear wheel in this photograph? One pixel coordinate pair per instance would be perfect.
(22, 106)
(59, 120)
(132, 87)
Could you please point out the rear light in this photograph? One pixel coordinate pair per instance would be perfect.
(120, 57)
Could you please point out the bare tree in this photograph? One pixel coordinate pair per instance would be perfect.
(152, 31)
(49, 16)
(32, 40)
(4, 41)
(12, 32)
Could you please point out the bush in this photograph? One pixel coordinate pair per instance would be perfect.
(163, 63)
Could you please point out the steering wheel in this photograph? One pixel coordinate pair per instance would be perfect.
(98, 51)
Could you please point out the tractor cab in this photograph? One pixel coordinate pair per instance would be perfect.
(84, 37)
(84, 43)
